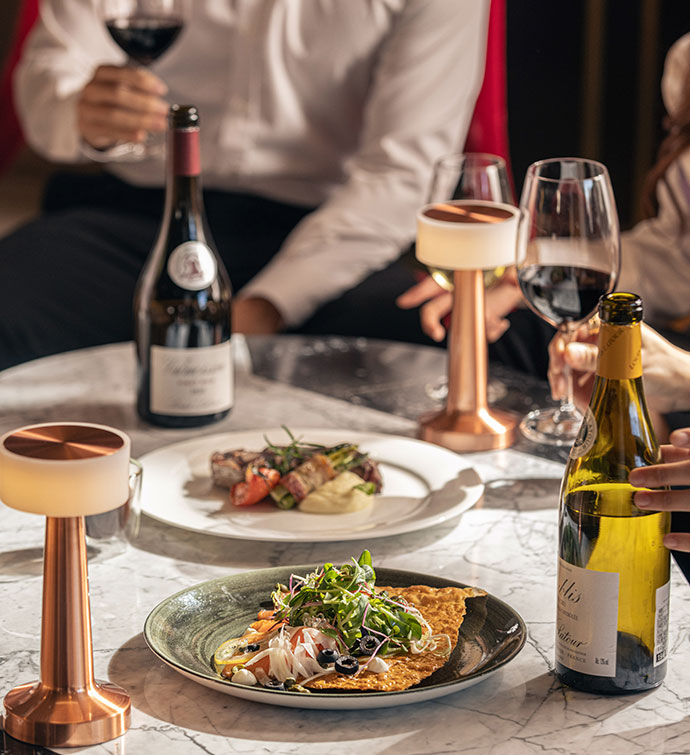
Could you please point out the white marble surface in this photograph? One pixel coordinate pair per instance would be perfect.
(506, 545)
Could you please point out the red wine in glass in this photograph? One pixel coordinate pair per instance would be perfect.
(144, 38)
(563, 294)
(567, 257)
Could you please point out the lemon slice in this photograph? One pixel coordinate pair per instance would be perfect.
(227, 651)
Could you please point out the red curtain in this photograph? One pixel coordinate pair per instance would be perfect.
(10, 132)
(489, 127)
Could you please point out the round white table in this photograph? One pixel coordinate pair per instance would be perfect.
(505, 544)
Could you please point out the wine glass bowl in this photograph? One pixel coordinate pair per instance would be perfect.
(568, 257)
(470, 175)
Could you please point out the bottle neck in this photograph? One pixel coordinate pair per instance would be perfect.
(183, 186)
(619, 368)
(620, 352)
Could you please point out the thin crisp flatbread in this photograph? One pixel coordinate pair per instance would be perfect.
(444, 609)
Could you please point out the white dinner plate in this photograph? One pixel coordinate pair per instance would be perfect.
(423, 485)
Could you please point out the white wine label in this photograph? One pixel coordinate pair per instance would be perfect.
(192, 265)
(663, 594)
(586, 436)
(190, 382)
(587, 620)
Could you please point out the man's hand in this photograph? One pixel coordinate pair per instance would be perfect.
(121, 104)
(254, 315)
(439, 303)
(436, 303)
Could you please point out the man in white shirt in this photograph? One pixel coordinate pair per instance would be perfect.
(320, 122)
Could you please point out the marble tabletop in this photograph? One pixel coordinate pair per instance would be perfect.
(505, 544)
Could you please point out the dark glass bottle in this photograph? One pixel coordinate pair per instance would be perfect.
(182, 300)
(613, 571)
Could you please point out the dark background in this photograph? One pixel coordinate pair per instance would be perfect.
(584, 80)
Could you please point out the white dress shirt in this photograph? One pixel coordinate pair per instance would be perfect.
(655, 259)
(344, 104)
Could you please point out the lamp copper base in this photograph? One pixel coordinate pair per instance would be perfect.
(42, 715)
(480, 430)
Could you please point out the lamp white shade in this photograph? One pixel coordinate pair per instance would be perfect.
(482, 237)
(64, 469)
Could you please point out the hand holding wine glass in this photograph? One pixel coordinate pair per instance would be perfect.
(568, 256)
(121, 105)
(121, 109)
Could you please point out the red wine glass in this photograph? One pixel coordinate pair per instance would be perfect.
(568, 256)
(144, 30)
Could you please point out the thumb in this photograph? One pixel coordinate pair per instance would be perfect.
(581, 356)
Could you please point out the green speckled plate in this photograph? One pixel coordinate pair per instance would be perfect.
(186, 628)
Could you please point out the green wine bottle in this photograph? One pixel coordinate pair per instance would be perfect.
(613, 569)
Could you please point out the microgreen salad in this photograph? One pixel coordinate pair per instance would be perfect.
(331, 621)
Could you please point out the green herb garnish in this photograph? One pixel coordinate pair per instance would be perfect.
(343, 604)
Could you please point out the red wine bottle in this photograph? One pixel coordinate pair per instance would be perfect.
(182, 300)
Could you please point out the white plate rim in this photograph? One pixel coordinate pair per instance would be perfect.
(472, 493)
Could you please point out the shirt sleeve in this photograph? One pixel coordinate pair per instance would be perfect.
(422, 98)
(59, 57)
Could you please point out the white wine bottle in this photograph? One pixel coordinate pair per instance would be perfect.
(182, 300)
(613, 569)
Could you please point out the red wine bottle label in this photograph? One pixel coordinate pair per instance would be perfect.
(186, 153)
(192, 266)
(620, 352)
(191, 382)
(587, 620)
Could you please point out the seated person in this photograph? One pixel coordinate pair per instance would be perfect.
(656, 266)
(655, 253)
(319, 130)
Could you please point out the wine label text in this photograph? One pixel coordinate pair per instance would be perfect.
(191, 382)
(620, 352)
(587, 622)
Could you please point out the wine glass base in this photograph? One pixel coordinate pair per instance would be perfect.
(551, 426)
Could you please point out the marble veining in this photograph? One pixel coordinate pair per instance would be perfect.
(506, 544)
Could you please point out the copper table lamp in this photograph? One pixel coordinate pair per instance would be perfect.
(468, 237)
(65, 472)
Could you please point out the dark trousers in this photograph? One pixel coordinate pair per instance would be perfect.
(67, 278)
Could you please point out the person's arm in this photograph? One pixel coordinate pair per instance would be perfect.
(422, 96)
(65, 97)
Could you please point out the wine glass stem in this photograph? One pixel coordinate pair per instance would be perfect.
(567, 405)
